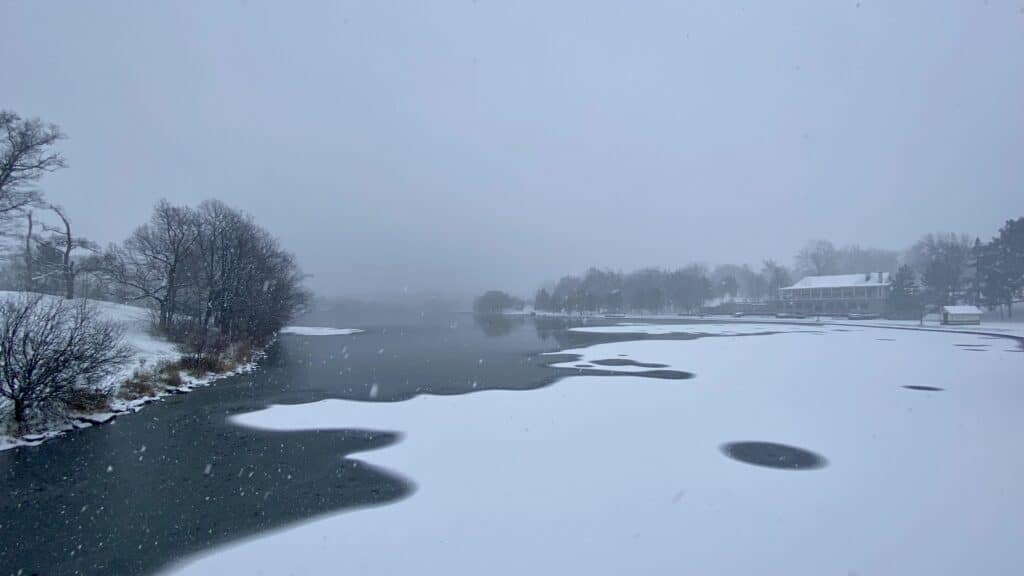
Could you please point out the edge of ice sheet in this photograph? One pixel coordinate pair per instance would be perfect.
(711, 328)
(318, 331)
(613, 475)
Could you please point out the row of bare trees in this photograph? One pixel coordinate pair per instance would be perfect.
(216, 281)
(54, 353)
(27, 153)
(213, 276)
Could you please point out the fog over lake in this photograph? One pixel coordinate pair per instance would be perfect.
(469, 145)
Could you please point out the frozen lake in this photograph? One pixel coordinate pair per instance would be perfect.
(445, 445)
(752, 449)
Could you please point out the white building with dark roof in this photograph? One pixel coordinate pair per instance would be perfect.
(866, 293)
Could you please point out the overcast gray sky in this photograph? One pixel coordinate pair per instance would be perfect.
(466, 145)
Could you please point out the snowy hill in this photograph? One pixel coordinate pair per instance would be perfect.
(149, 348)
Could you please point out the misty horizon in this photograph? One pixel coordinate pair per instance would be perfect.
(472, 146)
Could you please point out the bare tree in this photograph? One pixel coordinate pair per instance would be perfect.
(246, 285)
(775, 277)
(67, 244)
(854, 259)
(214, 276)
(943, 262)
(49, 350)
(29, 283)
(25, 156)
(816, 258)
(153, 262)
(170, 240)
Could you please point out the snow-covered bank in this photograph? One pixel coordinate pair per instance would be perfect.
(734, 327)
(1012, 329)
(149, 352)
(621, 474)
(994, 327)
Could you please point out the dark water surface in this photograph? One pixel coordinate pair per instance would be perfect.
(153, 487)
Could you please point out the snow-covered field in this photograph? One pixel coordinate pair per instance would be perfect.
(625, 475)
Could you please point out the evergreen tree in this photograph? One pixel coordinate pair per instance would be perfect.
(1004, 266)
(905, 300)
(542, 301)
(991, 281)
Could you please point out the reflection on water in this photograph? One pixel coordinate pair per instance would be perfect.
(496, 325)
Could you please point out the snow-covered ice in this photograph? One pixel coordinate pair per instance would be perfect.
(624, 475)
(318, 331)
(716, 329)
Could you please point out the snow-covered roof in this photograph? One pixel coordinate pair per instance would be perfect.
(961, 309)
(842, 281)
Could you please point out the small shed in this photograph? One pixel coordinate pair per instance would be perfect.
(961, 315)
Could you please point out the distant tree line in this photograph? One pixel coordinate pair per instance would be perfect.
(939, 269)
(943, 269)
(656, 290)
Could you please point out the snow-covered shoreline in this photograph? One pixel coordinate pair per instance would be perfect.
(1010, 329)
(150, 351)
(120, 407)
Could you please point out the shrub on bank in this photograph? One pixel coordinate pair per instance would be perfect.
(55, 355)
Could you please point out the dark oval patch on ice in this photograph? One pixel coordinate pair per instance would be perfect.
(924, 388)
(583, 365)
(626, 362)
(772, 455)
(886, 339)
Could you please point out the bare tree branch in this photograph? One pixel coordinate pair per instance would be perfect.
(25, 156)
